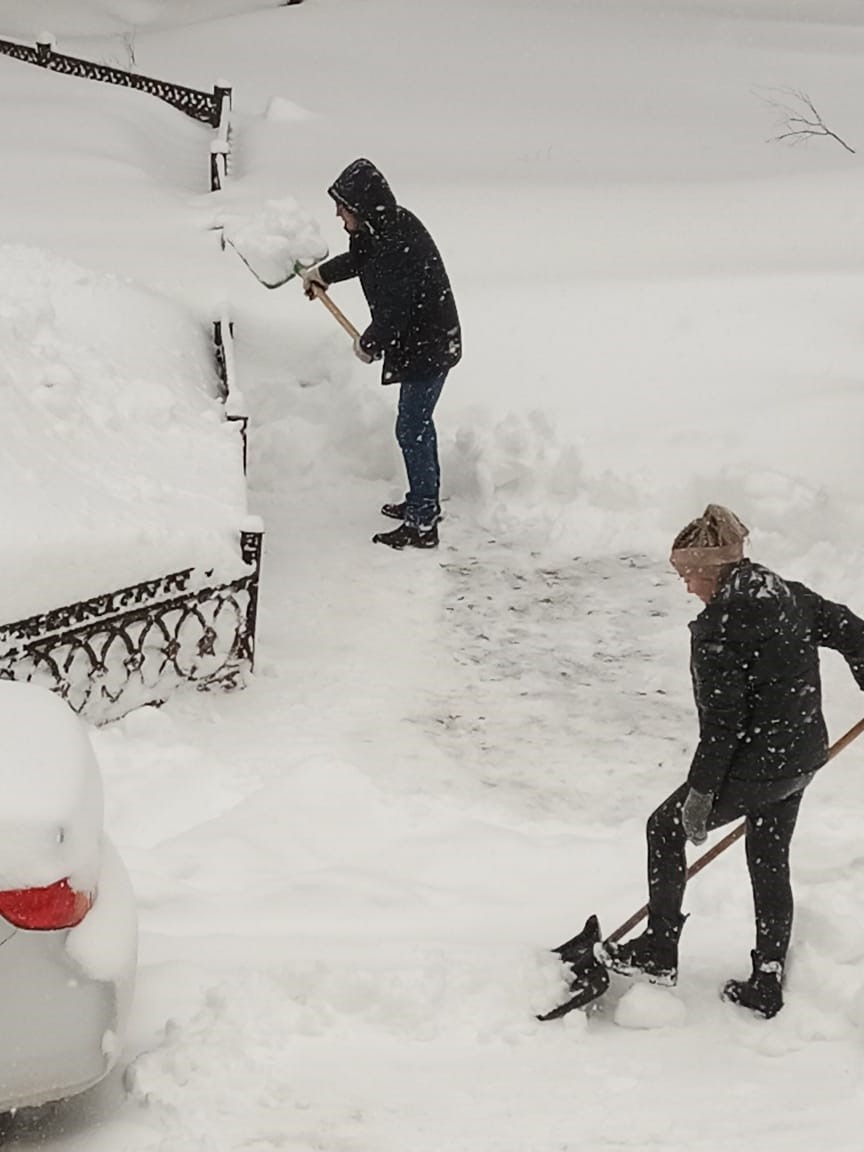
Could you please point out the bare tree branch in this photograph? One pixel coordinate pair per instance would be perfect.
(797, 117)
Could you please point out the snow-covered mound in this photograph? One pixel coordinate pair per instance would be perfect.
(97, 17)
(118, 465)
(109, 177)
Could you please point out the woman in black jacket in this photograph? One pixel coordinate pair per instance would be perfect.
(414, 330)
(762, 738)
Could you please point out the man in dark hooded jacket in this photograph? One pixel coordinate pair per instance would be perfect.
(414, 330)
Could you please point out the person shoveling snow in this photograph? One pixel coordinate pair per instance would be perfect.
(762, 739)
(414, 330)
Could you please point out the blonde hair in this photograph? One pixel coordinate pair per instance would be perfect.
(714, 539)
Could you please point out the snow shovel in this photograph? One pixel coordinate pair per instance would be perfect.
(276, 241)
(590, 977)
(320, 294)
(276, 244)
(272, 274)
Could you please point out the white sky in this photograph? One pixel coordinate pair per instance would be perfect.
(347, 875)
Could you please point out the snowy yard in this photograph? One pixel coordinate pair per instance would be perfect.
(349, 874)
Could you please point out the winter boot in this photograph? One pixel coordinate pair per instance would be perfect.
(409, 536)
(653, 955)
(763, 992)
(394, 511)
(397, 512)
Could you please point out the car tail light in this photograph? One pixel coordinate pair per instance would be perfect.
(41, 909)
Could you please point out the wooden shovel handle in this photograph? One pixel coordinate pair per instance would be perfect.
(339, 315)
(730, 838)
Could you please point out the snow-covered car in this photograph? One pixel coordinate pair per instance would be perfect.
(68, 923)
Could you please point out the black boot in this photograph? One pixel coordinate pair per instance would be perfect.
(394, 511)
(408, 536)
(763, 992)
(653, 955)
(397, 512)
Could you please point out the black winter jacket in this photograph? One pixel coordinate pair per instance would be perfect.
(755, 669)
(415, 325)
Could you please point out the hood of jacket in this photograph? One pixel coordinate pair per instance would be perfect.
(362, 189)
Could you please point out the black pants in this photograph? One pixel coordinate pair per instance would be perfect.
(771, 810)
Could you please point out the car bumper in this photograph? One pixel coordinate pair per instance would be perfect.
(58, 1028)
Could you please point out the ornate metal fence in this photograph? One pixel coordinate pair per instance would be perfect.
(203, 106)
(113, 653)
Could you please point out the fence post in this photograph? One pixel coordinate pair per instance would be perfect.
(219, 353)
(243, 421)
(250, 549)
(44, 48)
(222, 96)
(219, 152)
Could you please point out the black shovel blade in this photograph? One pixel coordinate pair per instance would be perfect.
(579, 949)
(586, 986)
(590, 979)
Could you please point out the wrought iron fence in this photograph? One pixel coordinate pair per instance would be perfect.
(204, 106)
(112, 653)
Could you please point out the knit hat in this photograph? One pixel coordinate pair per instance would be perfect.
(716, 538)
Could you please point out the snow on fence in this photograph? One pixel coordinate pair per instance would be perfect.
(115, 652)
(112, 653)
(220, 149)
(223, 342)
(203, 106)
(223, 328)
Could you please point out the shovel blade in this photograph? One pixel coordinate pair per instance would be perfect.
(586, 986)
(267, 269)
(590, 979)
(275, 241)
(579, 949)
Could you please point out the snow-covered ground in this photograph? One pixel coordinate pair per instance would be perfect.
(119, 465)
(349, 873)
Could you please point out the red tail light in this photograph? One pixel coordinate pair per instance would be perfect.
(41, 909)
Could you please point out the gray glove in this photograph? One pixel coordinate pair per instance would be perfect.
(312, 276)
(694, 815)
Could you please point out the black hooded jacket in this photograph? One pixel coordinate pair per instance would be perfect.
(415, 325)
(755, 669)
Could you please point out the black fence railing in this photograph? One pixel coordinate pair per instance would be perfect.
(112, 653)
(204, 106)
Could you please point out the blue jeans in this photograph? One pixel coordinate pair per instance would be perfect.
(415, 433)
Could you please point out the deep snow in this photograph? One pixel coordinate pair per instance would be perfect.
(119, 465)
(349, 873)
